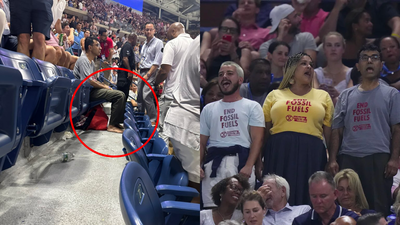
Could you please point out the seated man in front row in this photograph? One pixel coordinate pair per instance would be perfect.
(84, 67)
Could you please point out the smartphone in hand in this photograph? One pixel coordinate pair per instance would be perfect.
(227, 37)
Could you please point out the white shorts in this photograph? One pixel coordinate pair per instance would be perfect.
(228, 168)
(189, 158)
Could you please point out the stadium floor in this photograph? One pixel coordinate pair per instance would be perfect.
(82, 191)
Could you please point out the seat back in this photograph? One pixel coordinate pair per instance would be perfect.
(172, 172)
(10, 103)
(140, 156)
(77, 104)
(159, 146)
(139, 201)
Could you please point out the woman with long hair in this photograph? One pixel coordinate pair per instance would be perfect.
(350, 192)
(298, 117)
(334, 77)
(278, 54)
(226, 194)
(358, 28)
(253, 208)
(225, 48)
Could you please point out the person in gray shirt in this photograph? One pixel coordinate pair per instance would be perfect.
(85, 66)
(260, 78)
(366, 131)
(286, 22)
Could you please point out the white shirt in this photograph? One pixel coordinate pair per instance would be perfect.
(228, 123)
(57, 10)
(182, 121)
(206, 217)
(172, 56)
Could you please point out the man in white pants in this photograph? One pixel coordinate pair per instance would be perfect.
(172, 58)
(182, 122)
(234, 127)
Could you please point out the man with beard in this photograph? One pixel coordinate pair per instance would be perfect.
(366, 131)
(323, 194)
(286, 22)
(259, 81)
(275, 191)
(234, 128)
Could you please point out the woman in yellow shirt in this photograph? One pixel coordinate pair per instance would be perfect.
(298, 117)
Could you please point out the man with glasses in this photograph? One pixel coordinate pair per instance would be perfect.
(366, 131)
(151, 56)
(107, 51)
(84, 67)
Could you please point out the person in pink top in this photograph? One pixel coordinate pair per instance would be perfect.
(313, 18)
(251, 36)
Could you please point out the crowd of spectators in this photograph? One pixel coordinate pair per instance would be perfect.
(307, 112)
(122, 17)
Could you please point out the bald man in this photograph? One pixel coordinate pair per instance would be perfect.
(344, 220)
(172, 57)
(127, 57)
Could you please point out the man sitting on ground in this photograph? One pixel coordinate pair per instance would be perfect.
(83, 68)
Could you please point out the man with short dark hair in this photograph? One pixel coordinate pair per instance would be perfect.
(323, 195)
(372, 219)
(259, 81)
(151, 56)
(83, 68)
(76, 47)
(127, 57)
(366, 131)
(107, 50)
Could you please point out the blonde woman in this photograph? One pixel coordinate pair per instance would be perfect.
(297, 118)
(335, 77)
(253, 208)
(350, 192)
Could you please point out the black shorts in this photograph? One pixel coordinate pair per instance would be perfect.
(27, 12)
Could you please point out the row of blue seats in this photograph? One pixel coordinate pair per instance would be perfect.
(153, 182)
(35, 101)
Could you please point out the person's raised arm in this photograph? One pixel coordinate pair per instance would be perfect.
(332, 19)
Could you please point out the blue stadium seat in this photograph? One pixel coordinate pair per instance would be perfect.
(139, 123)
(155, 146)
(140, 203)
(32, 87)
(137, 116)
(165, 171)
(77, 104)
(143, 132)
(10, 102)
(52, 107)
(129, 105)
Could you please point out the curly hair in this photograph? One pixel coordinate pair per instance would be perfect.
(221, 186)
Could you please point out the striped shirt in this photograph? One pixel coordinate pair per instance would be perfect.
(151, 53)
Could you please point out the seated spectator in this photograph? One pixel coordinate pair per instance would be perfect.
(132, 94)
(335, 77)
(114, 76)
(210, 93)
(229, 222)
(276, 191)
(278, 54)
(225, 48)
(226, 195)
(86, 34)
(251, 35)
(388, 24)
(323, 194)
(313, 18)
(358, 28)
(344, 220)
(390, 49)
(350, 192)
(262, 18)
(253, 208)
(286, 23)
(78, 35)
(372, 219)
(260, 78)
(83, 68)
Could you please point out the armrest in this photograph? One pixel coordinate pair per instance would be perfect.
(176, 190)
(185, 208)
(158, 157)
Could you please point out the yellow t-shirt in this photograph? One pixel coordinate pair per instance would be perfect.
(302, 114)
